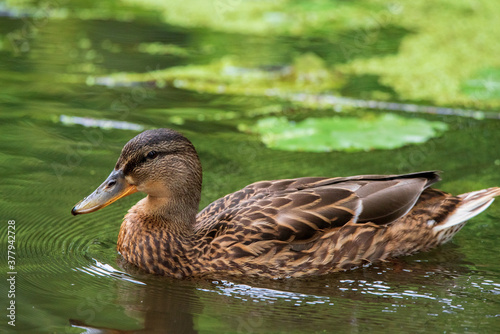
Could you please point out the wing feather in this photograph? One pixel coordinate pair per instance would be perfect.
(298, 211)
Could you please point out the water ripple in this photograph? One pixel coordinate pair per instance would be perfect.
(105, 270)
(247, 292)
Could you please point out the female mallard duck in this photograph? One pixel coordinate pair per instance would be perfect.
(275, 229)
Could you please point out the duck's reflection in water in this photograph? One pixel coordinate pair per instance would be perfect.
(160, 304)
(165, 305)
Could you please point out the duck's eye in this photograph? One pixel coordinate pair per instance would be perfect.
(152, 155)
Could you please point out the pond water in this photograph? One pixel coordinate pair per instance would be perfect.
(56, 148)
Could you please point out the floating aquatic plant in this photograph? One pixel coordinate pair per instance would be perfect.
(307, 73)
(431, 62)
(387, 131)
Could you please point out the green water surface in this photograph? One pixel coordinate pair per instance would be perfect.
(69, 276)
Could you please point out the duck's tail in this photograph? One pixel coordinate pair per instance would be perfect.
(472, 204)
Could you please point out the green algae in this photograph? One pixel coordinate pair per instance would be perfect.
(450, 40)
(278, 17)
(228, 75)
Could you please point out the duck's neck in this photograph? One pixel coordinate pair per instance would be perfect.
(177, 215)
(157, 236)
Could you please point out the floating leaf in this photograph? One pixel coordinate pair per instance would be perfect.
(387, 131)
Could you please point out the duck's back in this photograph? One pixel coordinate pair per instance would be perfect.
(317, 225)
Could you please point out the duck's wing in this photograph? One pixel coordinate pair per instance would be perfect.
(301, 210)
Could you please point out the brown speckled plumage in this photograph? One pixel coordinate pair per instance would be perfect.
(275, 229)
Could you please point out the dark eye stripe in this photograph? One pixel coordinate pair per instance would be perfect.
(132, 164)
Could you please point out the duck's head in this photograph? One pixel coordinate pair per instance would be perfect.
(162, 163)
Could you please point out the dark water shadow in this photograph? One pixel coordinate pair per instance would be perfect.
(363, 86)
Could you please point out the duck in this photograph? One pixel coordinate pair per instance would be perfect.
(276, 229)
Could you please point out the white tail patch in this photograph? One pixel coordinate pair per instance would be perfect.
(473, 203)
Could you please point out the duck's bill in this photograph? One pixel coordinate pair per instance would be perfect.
(111, 190)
